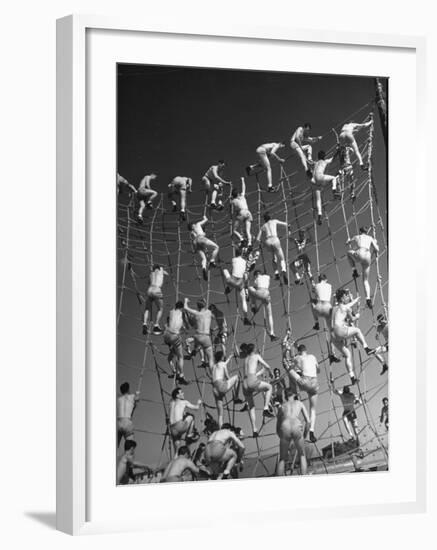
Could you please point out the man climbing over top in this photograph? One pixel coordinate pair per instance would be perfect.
(269, 233)
(221, 329)
(364, 246)
(300, 143)
(265, 152)
(214, 182)
(180, 186)
(145, 195)
(203, 245)
(241, 215)
(347, 137)
(154, 296)
(182, 423)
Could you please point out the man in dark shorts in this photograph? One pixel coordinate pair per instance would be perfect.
(350, 419)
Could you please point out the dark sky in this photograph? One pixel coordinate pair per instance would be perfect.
(179, 121)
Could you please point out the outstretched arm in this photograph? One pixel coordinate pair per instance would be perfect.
(264, 364)
(375, 246)
(189, 309)
(243, 187)
(193, 407)
(203, 221)
(273, 153)
(217, 175)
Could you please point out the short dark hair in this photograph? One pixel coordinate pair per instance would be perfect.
(385, 399)
(346, 389)
(380, 317)
(211, 307)
(323, 277)
(250, 347)
(364, 229)
(155, 267)
(175, 392)
(266, 216)
(201, 303)
(288, 393)
(129, 444)
(307, 125)
(226, 426)
(256, 272)
(276, 370)
(183, 451)
(221, 161)
(234, 193)
(218, 356)
(340, 293)
(124, 388)
(179, 304)
(321, 155)
(301, 347)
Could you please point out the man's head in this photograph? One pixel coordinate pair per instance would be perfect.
(306, 128)
(289, 394)
(184, 451)
(130, 446)
(256, 273)
(153, 176)
(179, 305)
(250, 348)
(156, 267)
(201, 304)
(234, 193)
(385, 401)
(267, 217)
(213, 308)
(322, 277)
(277, 373)
(226, 426)
(301, 348)
(238, 252)
(124, 388)
(364, 230)
(218, 356)
(177, 393)
(321, 155)
(301, 235)
(381, 318)
(221, 163)
(346, 389)
(342, 296)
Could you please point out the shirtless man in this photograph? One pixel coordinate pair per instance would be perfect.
(308, 366)
(341, 331)
(321, 307)
(202, 337)
(223, 450)
(172, 337)
(180, 185)
(237, 280)
(214, 184)
(265, 152)
(279, 387)
(126, 404)
(260, 292)
(181, 423)
(290, 429)
(320, 180)
(346, 172)
(202, 245)
(382, 330)
(122, 182)
(347, 137)
(350, 420)
(145, 195)
(302, 262)
(271, 241)
(252, 384)
(241, 215)
(300, 143)
(221, 335)
(384, 413)
(154, 296)
(127, 463)
(222, 382)
(364, 246)
(180, 467)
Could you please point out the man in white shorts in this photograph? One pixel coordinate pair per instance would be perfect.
(363, 247)
(154, 296)
(307, 364)
(320, 180)
(347, 137)
(222, 382)
(237, 280)
(241, 215)
(214, 184)
(342, 332)
(350, 419)
(203, 245)
(269, 233)
(260, 292)
(145, 195)
(223, 451)
(290, 429)
(182, 423)
(180, 185)
(172, 337)
(300, 143)
(126, 404)
(202, 336)
(265, 152)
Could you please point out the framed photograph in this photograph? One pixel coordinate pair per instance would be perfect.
(232, 233)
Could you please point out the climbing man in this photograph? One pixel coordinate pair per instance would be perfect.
(154, 296)
(180, 468)
(265, 152)
(364, 246)
(384, 413)
(252, 384)
(127, 463)
(320, 180)
(180, 185)
(290, 429)
(182, 423)
(214, 182)
(123, 183)
(242, 215)
(382, 330)
(350, 419)
(172, 337)
(279, 387)
(301, 265)
(300, 143)
(145, 195)
(221, 330)
(223, 451)
(342, 332)
(203, 245)
(202, 336)
(238, 280)
(260, 292)
(126, 404)
(222, 382)
(347, 137)
(307, 365)
(269, 233)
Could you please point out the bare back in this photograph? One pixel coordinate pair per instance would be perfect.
(203, 321)
(125, 405)
(175, 320)
(177, 409)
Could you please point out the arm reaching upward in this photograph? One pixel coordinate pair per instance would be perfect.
(243, 187)
(273, 153)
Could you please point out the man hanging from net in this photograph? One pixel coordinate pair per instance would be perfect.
(382, 331)
(269, 235)
(214, 182)
(145, 195)
(300, 144)
(126, 404)
(203, 246)
(222, 383)
(349, 415)
(265, 152)
(202, 336)
(172, 338)
(347, 137)
(301, 265)
(241, 215)
(320, 180)
(179, 187)
(182, 422)
(154, 296)
(223, 451)
(364, 246)
(259, 292)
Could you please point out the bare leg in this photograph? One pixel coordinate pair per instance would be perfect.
(235, 232)
(147, 312)
(141, 209)
(265, 163)
(183, 195)
(209, 357)
(180, 361)
(346, 425)
(280, 257)
(313, 413)
(267, 389)
(355, 331)
(303, 158)
(230, 463)
(356, 150)
(319, 202)
(160, 304)
(366, 272)
(219, 403)
(300, 447)
(203, 258)
(248, 226)
(351, 257)
(243, 300)
(284, 446)
(268, 308)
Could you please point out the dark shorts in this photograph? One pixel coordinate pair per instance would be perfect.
(350, 415)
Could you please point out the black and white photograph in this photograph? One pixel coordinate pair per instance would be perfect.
(252, 274)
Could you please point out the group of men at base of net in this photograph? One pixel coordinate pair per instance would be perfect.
(302, 368)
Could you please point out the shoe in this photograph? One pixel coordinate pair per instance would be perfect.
(213, 205)
(255, 434)
(140, 220)
(298, 282)
(277, 275)
(313, 438)
(270, 189)
(384, 369)
(355, 274)
(244, 408)
(205, 274)
(253, 310)
(171, 375)
(203, 365)
(182, 381)
(220, 206)
(268, 414)
(249, 248)
(319, 220)
(333, 359)
(369, 303)
(149, 205)
(353, 380)
(247, 322)
(192, 438)
(211, 264)
(248, 170)
(238, 401)
(284, 276)
(316, 326)
(273, 338)
(175, 208)
(364, 167)
(369, 351)
(157, 330)
(227, 290)
(145, 330)
(183, 216)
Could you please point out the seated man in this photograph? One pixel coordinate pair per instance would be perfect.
(320, 180)
(271, 241)
(203, 245)
(222, 382)
(179, 186)
(291, 430)
(260, 292)
(347, 137)
(145, 195)
(214, 182)
(241, 214)
(127, 463)
(382, 330)
(223, 450)
(265, 152)
(300, 143)
(126, 404)
(181, 423)
(181, 468)
(172, 337)
(202, 337)
(154, 296)
(302, 262)
(350, 420)
(237, 280)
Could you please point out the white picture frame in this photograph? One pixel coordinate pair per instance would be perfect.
(74, 226)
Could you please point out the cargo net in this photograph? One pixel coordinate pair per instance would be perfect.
(163, 238)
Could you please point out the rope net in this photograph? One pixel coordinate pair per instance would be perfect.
(163, 239)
